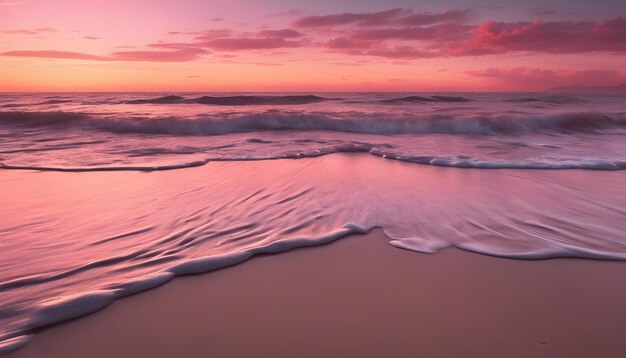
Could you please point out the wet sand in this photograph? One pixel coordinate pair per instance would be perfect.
(360, 297)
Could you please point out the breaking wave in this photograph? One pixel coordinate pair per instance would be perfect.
(273, 120)
(440, 161)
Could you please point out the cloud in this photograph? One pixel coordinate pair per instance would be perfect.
(174, 45)
(539, 78)
(10, 2)
(542, 12)
(454, 40)
(446, 34)
(362, 19)
(181, 55)
(397, 17)
(39, 31)
(401, 42)
(347, 43)
(54, 54)
(283, 33)
(238, 44)
(443, 32)
(369, 48)
(399, 52)
(184, 33)
(91, 38)
(228, 40)
(394, 34)
(404, 33)
(214, 34)
(429, 18)
(545, 37)
(289, 13)
(204, 35)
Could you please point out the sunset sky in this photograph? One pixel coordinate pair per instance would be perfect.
(322, 45)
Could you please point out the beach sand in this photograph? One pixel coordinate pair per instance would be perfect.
(360, 297)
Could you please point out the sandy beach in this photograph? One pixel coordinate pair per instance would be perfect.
(361, 297)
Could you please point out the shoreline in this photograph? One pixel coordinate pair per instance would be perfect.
(359, 296)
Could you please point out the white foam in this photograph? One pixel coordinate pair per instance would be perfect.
(68, 307)
(73, 306)
(8, 345)
(142, 284)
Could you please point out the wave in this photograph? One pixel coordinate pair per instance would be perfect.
(234, 100)
(49, 118)
(55, 101)
(158, 100)
(554, 99)
(375, 150)
(458, 162)
(421, 99)
(58, 310)
(44, 103)
(556, 215)
(357, 123)
(589, 126)
(64, 308)
(276, 120)
(78, 305)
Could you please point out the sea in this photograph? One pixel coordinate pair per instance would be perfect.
(105, 195)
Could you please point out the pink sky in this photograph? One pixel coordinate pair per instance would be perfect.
(277, 45)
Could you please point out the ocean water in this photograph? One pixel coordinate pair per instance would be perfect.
(108, 194)
(156, 131)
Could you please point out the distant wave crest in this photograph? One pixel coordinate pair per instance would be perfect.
(422, 99)
(356, 123)
(234, 100)
(592, 123)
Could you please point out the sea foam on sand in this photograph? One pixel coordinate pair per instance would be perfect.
(105, 235)
(359, 297)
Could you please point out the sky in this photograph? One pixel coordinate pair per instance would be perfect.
(301, 46)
